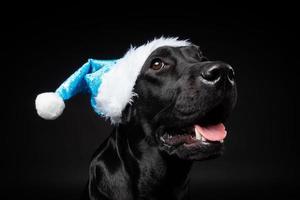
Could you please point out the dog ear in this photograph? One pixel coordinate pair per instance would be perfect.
(128, 114)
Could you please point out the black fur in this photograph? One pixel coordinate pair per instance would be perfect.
(134, 163)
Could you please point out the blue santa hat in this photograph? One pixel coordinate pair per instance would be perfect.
(110, 82)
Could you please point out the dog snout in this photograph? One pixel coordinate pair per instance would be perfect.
(214, 72)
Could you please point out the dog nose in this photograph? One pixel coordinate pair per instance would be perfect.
(213, 72)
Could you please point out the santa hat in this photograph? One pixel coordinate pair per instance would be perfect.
(110, 82)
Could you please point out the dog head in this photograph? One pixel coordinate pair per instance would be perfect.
(184, 98)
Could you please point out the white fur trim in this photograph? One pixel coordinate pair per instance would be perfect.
(49, 105)
(116, 90)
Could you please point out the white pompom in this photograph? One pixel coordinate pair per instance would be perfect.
(49, 105)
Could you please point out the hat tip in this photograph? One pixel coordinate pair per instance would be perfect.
(49, 105)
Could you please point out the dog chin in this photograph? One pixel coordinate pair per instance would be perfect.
(195, 152)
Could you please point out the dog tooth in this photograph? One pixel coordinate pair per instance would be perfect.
(203, 139)
(198, 135)
(162, 139)
(222, 141)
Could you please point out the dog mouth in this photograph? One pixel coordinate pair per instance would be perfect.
(195, 142)
(196, 133)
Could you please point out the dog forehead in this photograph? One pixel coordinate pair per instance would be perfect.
(165, 51)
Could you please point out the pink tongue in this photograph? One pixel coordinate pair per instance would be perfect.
(213, 132)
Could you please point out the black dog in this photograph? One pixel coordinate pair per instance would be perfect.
(149, 155)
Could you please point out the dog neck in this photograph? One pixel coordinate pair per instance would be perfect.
(152, 170)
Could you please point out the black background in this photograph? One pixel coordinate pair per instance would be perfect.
(49, 159)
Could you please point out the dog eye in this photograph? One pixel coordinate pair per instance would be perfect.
(157, 64)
